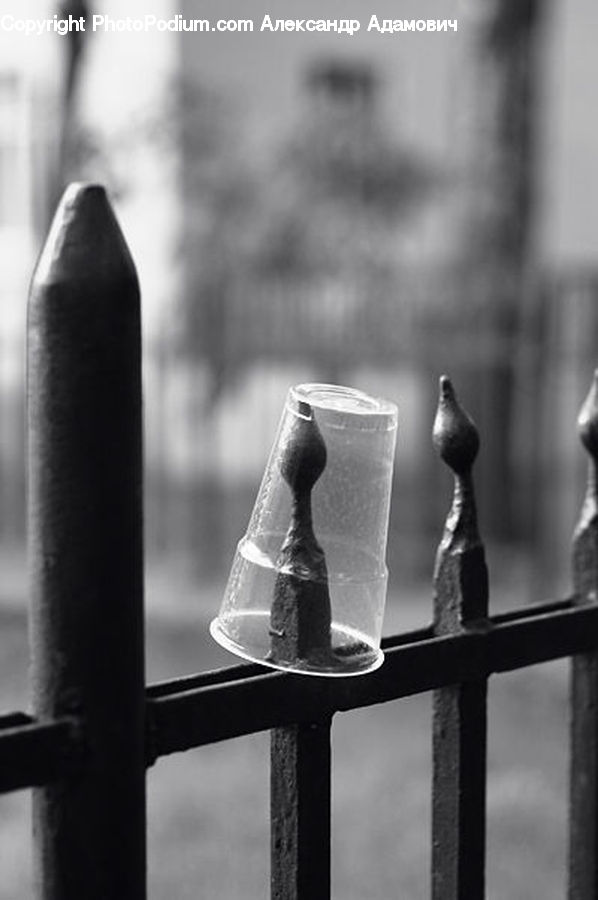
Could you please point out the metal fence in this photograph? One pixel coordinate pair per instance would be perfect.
(96, 726)
(200, 478)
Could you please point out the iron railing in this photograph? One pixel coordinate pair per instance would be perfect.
(96, 727)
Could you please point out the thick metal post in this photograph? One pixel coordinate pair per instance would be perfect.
(459, 726)
(583, 812)
(85, 549)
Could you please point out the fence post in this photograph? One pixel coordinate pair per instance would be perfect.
(300, 811)
(583, 814)
(459, 723)
(85, 546)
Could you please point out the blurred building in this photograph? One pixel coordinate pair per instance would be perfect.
(294, 206)
(29, 92)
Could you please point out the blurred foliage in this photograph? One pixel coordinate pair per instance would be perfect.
(317, 209)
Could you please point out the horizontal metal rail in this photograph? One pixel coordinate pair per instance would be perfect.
(33, 753)
(203, 709)
(214, 706)
(97, 726)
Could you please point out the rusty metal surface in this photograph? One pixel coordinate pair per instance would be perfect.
(96, 727)
(583, 812)
(202, 709)
(459, 718)
(301, 615)
(300, 812)
(85, 549)
(300, 622)
(214, 706)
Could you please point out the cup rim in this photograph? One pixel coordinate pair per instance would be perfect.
(338, 398)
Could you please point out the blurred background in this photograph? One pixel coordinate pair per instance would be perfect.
(373, 210)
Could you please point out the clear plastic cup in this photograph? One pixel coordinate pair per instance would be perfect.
(307, 587)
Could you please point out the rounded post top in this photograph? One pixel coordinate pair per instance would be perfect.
(85, 242)
(587, 421)
(455, 435)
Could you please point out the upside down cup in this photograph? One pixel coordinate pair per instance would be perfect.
(307, 586)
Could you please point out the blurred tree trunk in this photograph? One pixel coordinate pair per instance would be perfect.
(500, 119)
(74, 44)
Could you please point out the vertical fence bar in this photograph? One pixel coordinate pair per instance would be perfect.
(459, 722)
(300, 812)
(300, 629)
(583, 812)
(85, 534)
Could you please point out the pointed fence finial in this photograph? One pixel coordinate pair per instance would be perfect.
(301, 614)
(587, 421)
(585, 538)
(460, 575)
(583, 784)
(455, 435)
(459, 720)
